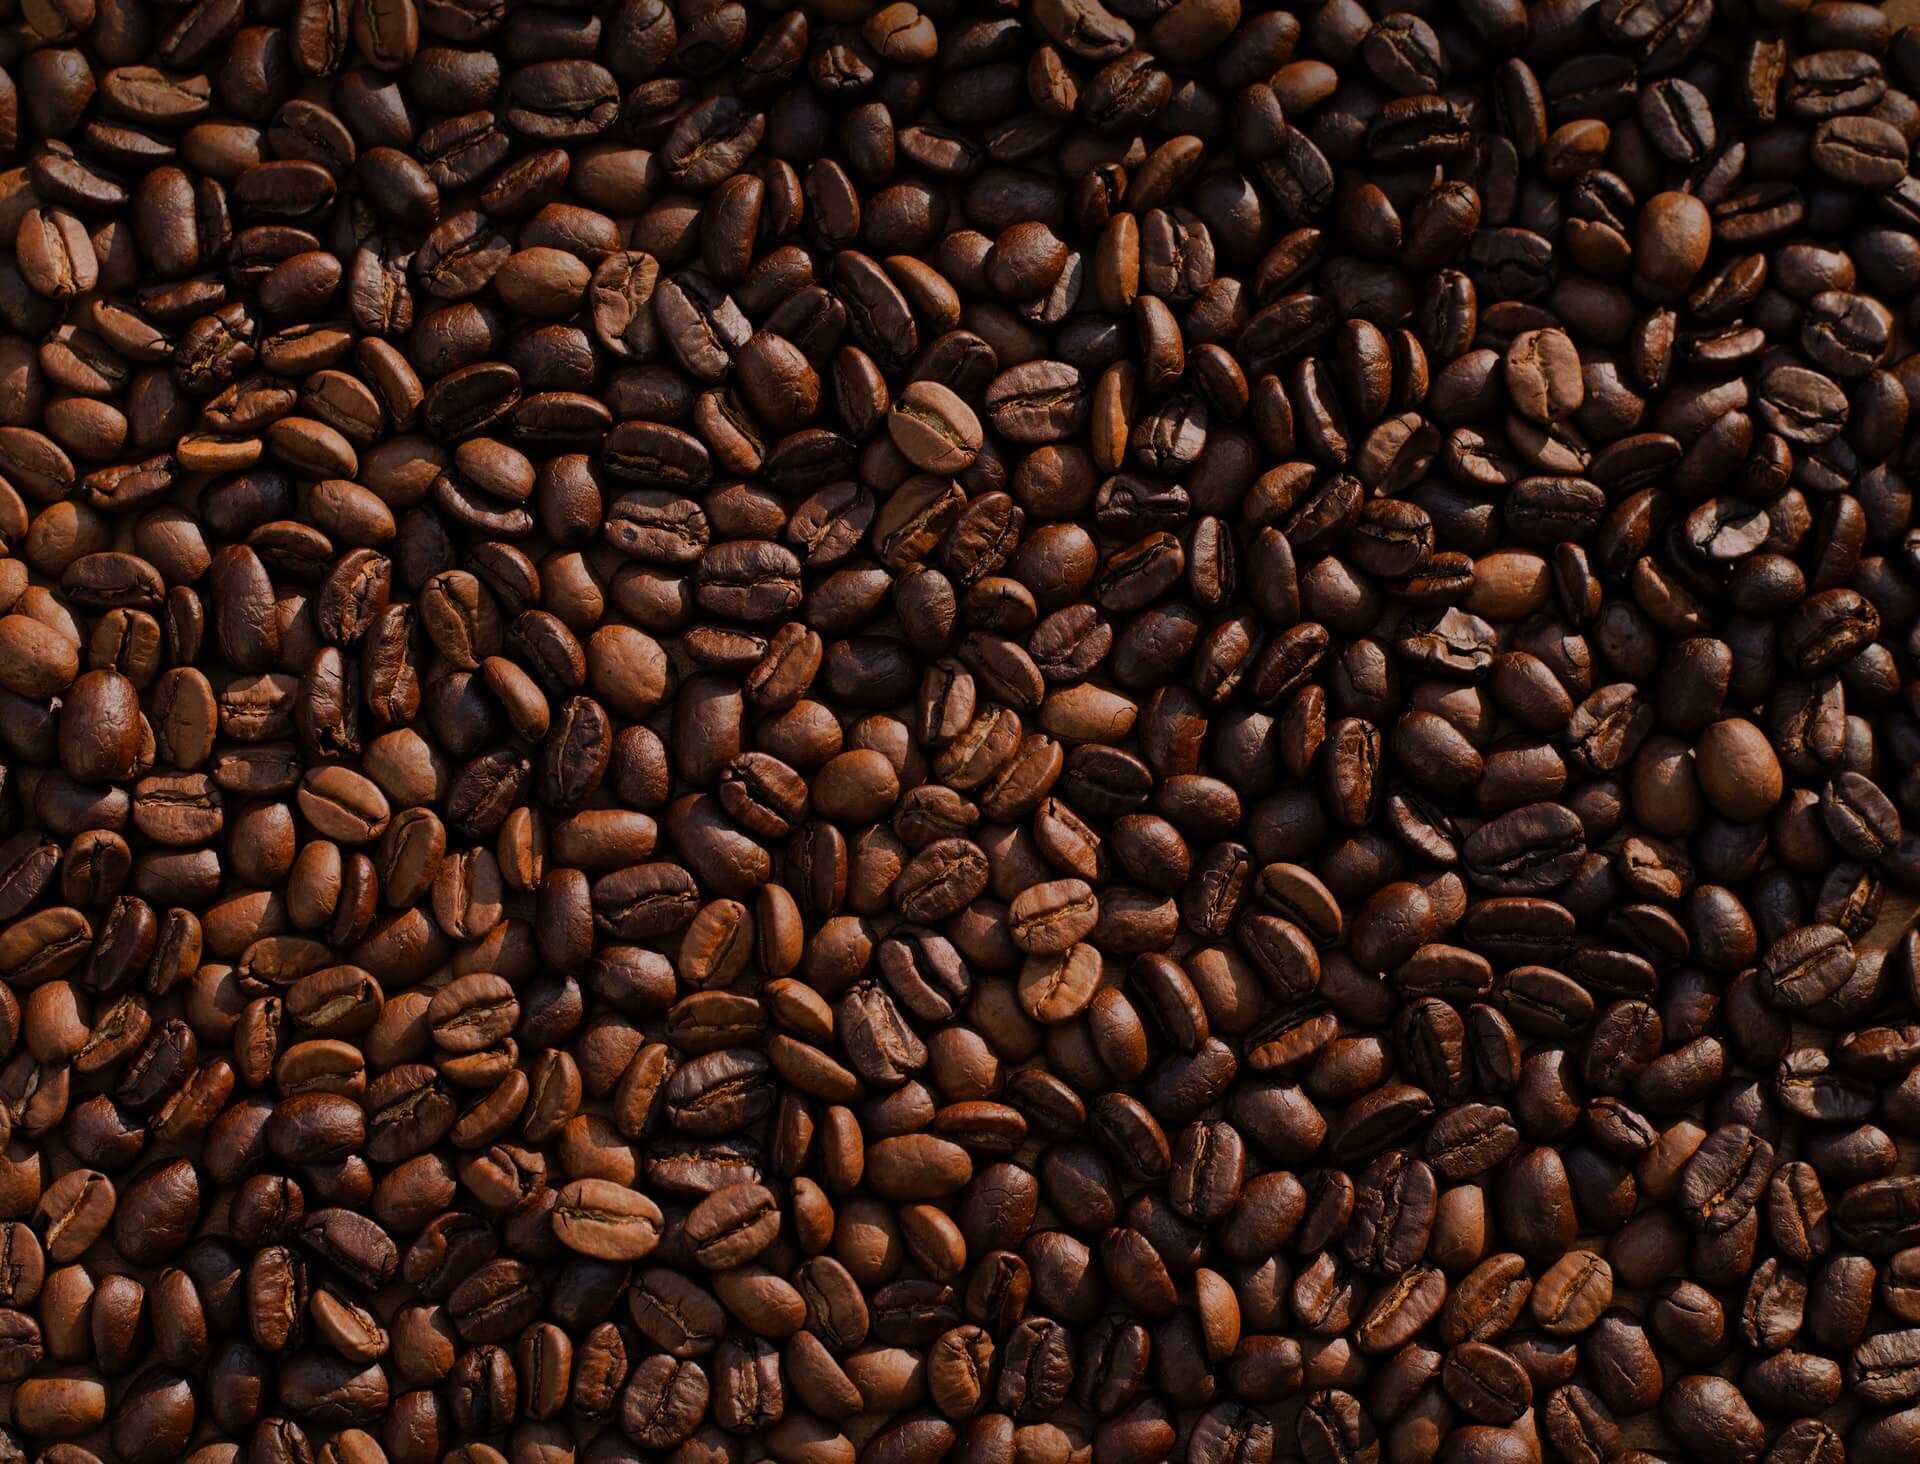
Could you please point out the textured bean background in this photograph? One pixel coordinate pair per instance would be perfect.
(714, 591)
(1897, 913)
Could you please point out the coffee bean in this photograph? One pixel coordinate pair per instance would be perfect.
(733, 1225)
(934, 428)
(606, 1221)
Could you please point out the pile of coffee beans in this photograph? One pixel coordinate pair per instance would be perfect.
(995, 731)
